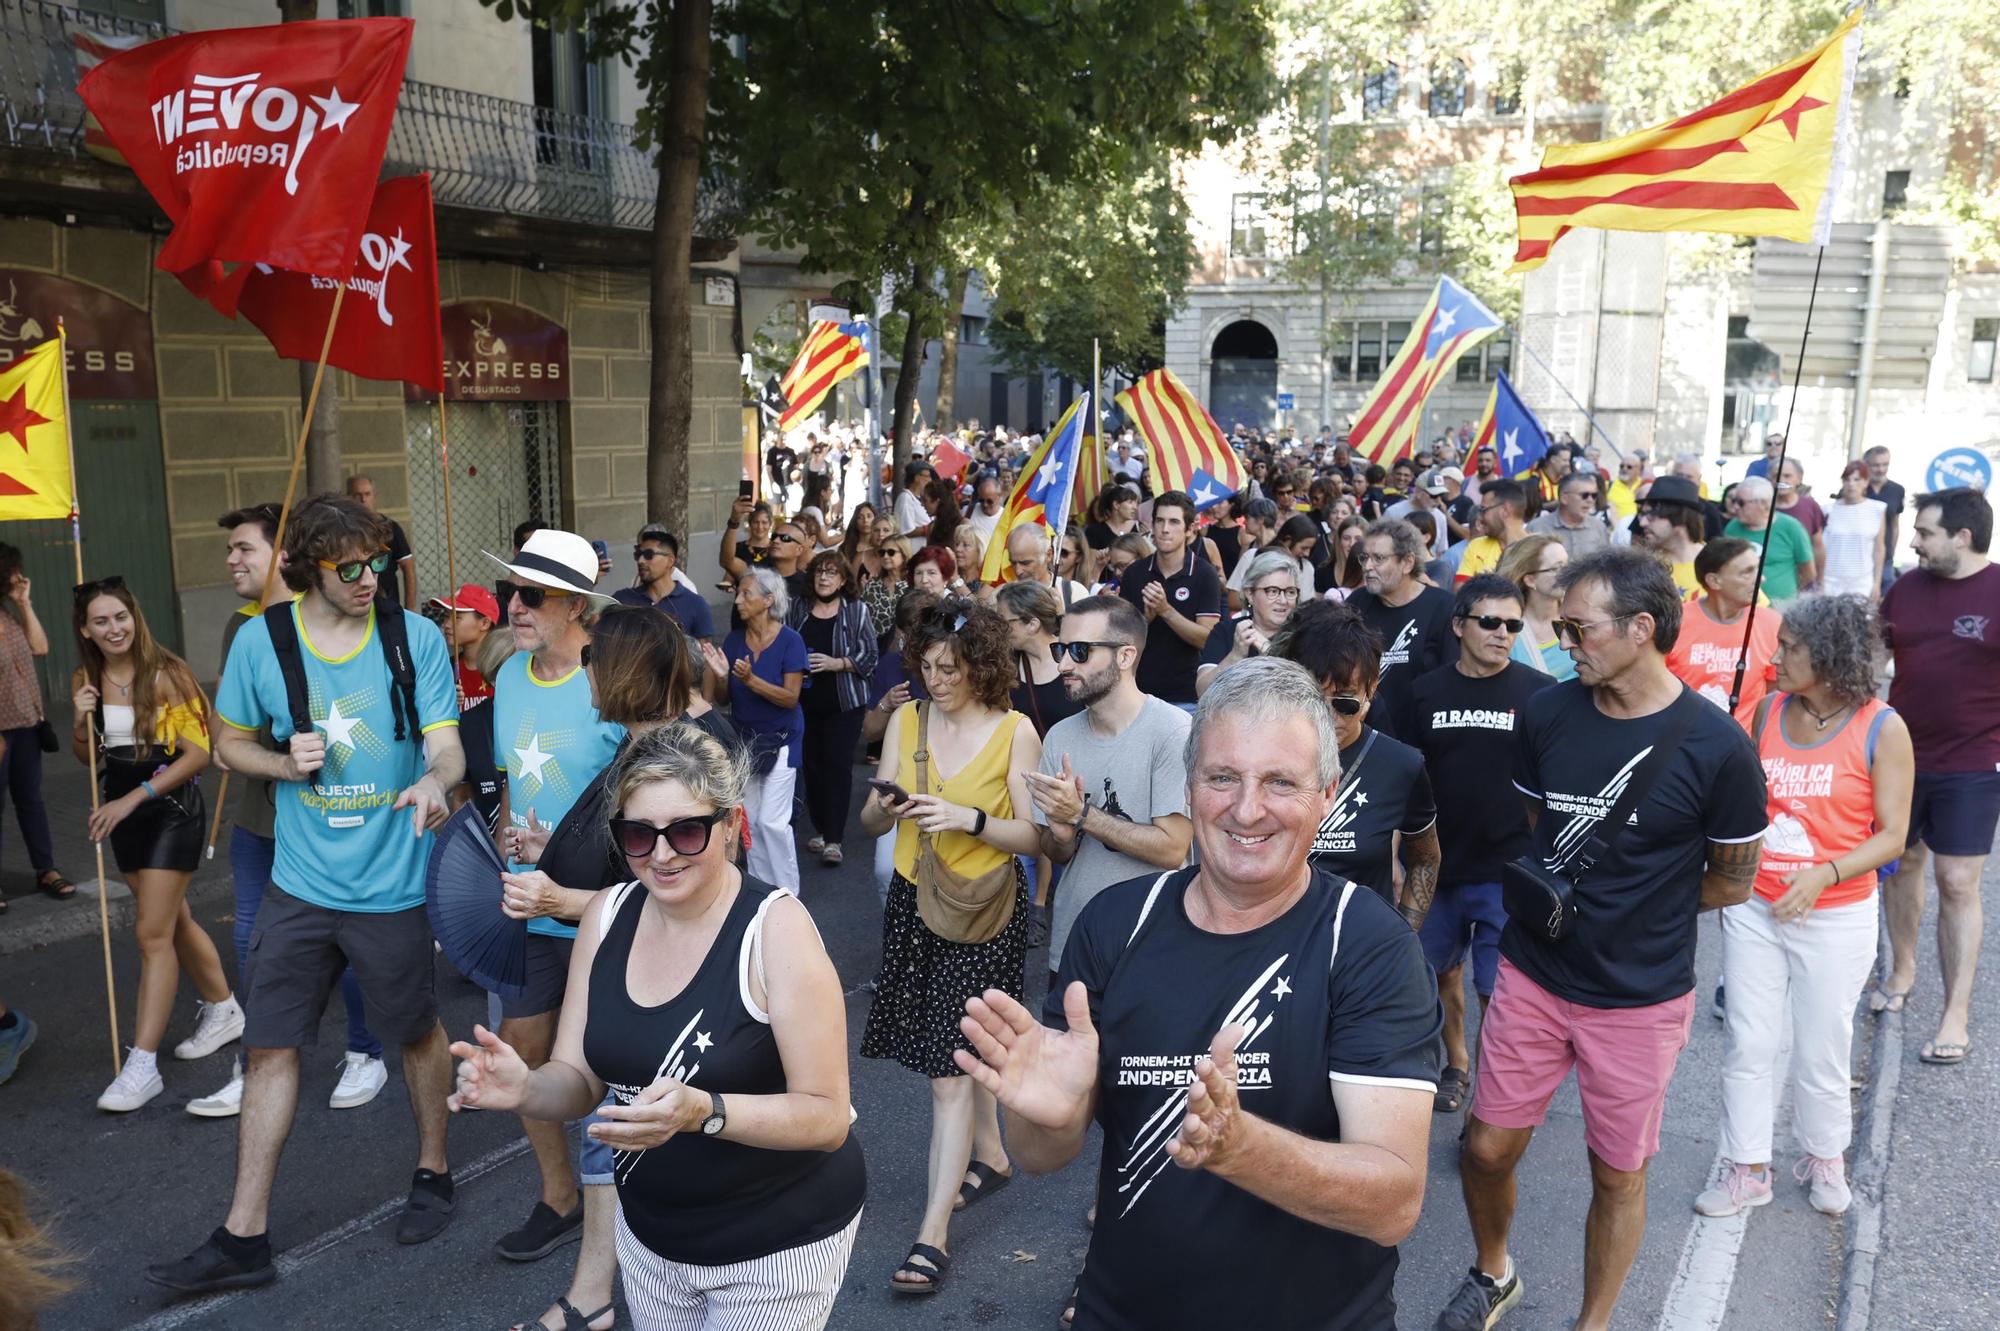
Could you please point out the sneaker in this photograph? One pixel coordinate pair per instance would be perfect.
(428, 1209)
(224, 1262)
(215, 1025)
(1737, 1190)
(1479, 1302)
(544, 1232)
(1828, 1178)
(225, 1103)
(1721, 1006)
(132, 1090)
(14, 1042)
(362, 1078)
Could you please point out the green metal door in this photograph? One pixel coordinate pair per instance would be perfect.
(121, 490)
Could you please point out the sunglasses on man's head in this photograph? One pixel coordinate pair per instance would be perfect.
(685, 836)
(86, 590)
(1491, 622)
(533, 596)
(349, 570)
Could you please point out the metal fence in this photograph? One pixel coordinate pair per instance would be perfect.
(506, 461)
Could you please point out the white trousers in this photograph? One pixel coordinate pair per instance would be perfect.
(1808, 973)
(790, 1290)
(768, 806)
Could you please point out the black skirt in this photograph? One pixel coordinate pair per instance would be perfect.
(165, 832)
(921, 990)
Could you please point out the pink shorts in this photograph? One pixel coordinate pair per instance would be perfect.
(1624, 1058)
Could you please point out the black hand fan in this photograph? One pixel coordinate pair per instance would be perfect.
(462, 897)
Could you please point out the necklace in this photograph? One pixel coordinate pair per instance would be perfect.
(124, 690)
(1821, 722)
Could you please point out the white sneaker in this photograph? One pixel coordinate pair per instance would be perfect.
(1738, 1189)
(225, 1103)
(1828, 1178)
(216, 1024)
(132, 1090)
(361, 1080)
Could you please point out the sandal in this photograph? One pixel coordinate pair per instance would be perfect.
(933, 1275)
(831, 855)
(1944, 1054)
(815, 845)
(1452, 1084)
(572, 1319)
(1068, 1318)
(1885, 999)
(985, 1181)
(55, 885)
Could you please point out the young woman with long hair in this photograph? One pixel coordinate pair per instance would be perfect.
(152, 741)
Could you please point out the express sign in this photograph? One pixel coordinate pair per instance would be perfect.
(499, 352)
(110, 341)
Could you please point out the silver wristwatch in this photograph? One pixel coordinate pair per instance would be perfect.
(716, 1116)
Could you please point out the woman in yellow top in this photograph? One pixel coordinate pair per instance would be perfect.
(975, 778)
(151, 724)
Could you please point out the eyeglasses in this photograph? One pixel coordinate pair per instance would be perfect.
(1278, 593)
(1367, 558)
(350, 570)
(1574, 629)
(86, 590)
(1347, 704)
(532, 596)
(1491, 622)
(647, 552)
(685, 836)
(1080, 650)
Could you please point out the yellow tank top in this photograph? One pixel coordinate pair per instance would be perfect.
(980, 784)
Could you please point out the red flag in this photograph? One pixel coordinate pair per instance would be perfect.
(389, 322)
(949, 459)
(261, 144)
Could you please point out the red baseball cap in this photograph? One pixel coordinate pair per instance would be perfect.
(479, 600)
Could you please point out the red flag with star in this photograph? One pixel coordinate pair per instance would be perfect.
(35, 479)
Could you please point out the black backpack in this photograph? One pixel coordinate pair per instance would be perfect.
(390, 631)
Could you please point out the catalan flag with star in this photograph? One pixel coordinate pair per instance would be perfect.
(1764, 160)
(1452, 323)
(35, 480)
(832, 351)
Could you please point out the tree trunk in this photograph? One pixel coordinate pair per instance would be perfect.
(682, 126)
(947, 394)
(323, 469)
(913, 304)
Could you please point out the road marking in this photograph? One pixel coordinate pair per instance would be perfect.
(294, 1259)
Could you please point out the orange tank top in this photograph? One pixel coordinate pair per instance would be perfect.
(1821, 799)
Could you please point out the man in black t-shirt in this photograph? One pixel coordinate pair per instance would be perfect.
(1614, 997)
(398, 585)
(1894, 499)
(1257, 1040)
(1413, 617)
(1462, 719)
(1181, 598)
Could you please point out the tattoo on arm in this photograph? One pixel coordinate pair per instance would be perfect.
(1730, 872)
(1420, 877)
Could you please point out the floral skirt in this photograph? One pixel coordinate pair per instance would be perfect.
(921, 991)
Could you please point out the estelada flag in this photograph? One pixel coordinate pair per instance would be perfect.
(260, 144)
(1452, 323)
(1181, 437)
(1041, 494)
(388, 327)
(35, 479)
(832, 351)
(1765, 160)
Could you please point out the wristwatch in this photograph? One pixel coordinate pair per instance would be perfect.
(717, 1116)
(1081, 815)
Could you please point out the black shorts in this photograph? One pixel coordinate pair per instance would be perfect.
(297, 952)
(548, 977)
(1955, 813)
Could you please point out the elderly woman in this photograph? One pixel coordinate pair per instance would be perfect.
(1384, 790)
(1838, 771)
(840, 655)
(952, 777)
(739, 1186)
(1271, 586)
(761, 669)
(969, 553)
(1295, 983)
(933, 569)
(1535, 564)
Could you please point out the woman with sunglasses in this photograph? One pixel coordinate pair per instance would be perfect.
(761, 669)
(840, 655)
(962, 809)
(152, 741)
(882, 584)
(739, 1184)
(1533, 564)
(1384, 791)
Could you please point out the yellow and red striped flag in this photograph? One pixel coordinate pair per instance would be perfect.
(832, 351)
(1181, 437)
(1762, 161)
(35, 480)
(1452, 323)
(1089, 475)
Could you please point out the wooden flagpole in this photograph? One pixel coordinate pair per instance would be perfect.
(284, 516)
(89, 730)
(450, 544)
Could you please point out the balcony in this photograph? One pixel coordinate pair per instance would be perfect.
(485, 154)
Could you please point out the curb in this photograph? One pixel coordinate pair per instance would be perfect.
(1874, 1132)
(48, 923)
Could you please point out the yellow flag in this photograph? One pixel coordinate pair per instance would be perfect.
(35, 480)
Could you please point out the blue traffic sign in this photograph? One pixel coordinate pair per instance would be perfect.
(1287, 401)
(1959, 469)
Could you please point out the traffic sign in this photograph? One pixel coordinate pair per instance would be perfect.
(1287, 401)
(1959, 469)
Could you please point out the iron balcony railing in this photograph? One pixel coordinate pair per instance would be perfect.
(483, 152)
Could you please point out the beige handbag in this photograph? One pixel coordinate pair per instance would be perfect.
(956, 908)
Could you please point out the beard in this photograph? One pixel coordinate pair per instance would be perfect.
(1086, 687)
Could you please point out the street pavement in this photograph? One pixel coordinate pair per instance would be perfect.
(1917, 1253)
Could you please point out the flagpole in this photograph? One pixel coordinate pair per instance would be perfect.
(450, 544)
(1595, 427)
(89, 731)
(1777, 468)
(284, 516)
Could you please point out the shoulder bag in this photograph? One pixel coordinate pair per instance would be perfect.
(1543, 900)
(956, 908)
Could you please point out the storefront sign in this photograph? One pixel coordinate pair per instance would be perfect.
(499, 352)
(110, 340)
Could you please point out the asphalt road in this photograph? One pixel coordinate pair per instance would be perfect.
(124, 1191)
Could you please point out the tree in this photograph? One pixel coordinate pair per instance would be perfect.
(947, 390)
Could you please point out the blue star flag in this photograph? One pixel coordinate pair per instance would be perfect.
(1206, 491)
(1516, 433)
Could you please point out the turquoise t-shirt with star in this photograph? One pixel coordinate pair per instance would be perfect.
(340, 845)
(550, 740)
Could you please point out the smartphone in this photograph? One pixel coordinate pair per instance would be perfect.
(889, 788)
(743, 488)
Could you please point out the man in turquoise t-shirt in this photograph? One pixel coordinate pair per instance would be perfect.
(354, 808)
(1789, 565)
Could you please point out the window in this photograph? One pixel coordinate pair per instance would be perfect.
(1447, 95)
(1431, 213)
(1340, 353)
(370, 8)
(1249, 227)
(971, 330)
(1895, 190)
(1469, 369)
(1979, 365)
(1375, 212)
(1507, 91)
(143, 11)
(1379, 91)
(1368, 351)
(1499, 350)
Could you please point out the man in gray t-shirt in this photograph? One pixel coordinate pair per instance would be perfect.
(1111, 795)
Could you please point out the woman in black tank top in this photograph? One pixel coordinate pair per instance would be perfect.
(739, 1183)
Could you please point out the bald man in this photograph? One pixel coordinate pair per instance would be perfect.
(399, 585)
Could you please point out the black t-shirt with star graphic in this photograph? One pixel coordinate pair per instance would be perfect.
(1330, 996)
(1389, 793)
(1416, 638)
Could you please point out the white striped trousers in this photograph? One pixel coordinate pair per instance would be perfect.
(789, 1290)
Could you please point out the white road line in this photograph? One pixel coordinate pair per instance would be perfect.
(294, 1259)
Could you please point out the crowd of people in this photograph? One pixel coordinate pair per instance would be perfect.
(1335, 740)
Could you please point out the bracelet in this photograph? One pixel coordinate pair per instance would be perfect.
(978, 821)
(1834, 864)
(147, 786)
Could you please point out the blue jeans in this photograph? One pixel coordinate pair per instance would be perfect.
(250, 858)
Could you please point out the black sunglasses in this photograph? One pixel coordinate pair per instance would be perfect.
(86, 590)
(1488, 622)
(1346, 704)
(1080, 650)
(685, 836)
(647, 552)
(350, 570)
(531, 595)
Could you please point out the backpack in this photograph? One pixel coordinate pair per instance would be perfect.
(390, 631)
